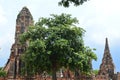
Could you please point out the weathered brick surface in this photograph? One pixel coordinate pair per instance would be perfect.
(1, 78)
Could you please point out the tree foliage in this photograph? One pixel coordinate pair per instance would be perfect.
(2, 73)
(95, 72)
(66, 3)
(54, 43)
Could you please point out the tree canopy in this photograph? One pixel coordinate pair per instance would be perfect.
(66, 3)
(54, 43)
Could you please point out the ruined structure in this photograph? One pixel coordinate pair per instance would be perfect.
(14, 64)
(107, 67)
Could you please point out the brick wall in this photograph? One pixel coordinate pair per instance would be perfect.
(1, 78)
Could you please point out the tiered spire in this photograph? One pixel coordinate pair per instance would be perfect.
(107, 59)
(107, 66)
(23, 21)
(14, 64)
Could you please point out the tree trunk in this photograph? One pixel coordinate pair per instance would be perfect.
(54, 75)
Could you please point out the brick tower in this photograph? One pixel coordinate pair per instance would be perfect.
(14, 64)
(106, 71)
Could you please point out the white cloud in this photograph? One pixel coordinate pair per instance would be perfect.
(5, 44)
(7, 38)
(106, 6)
(104, 22)
(2, 16)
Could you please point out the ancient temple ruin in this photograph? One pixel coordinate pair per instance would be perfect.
(13, 65)
(107, 67)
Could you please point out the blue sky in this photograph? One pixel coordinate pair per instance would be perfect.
(100, 19)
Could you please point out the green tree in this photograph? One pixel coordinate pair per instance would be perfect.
(66, 3)
(54, 43)
(2, 73)
(95, 72)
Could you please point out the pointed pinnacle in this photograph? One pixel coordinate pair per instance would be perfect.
(106, 45)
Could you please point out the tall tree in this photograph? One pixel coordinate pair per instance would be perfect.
(54, 43)
(66, 3)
